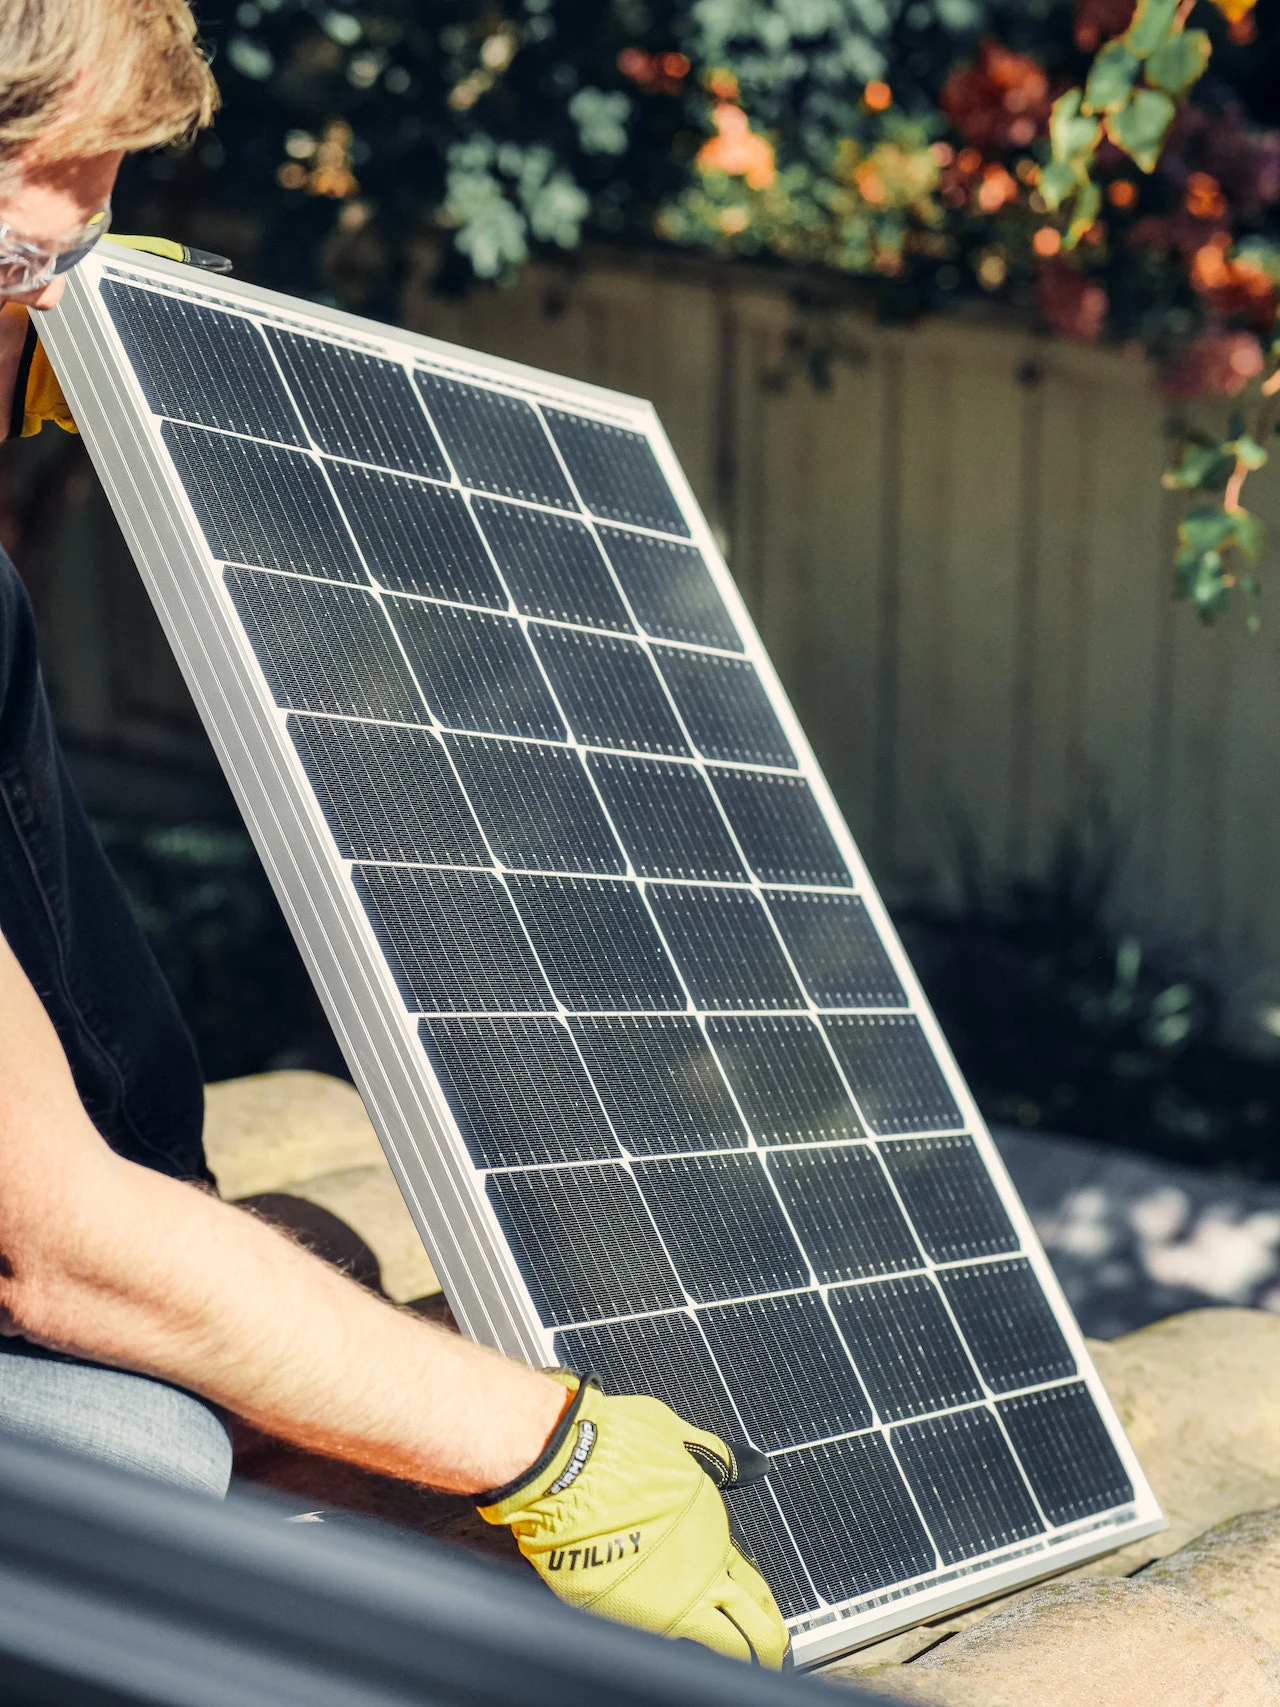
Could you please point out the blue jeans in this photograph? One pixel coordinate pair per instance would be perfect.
(66, 918)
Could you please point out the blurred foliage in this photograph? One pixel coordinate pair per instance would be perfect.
(204, 904)
(1106, 166)
(1061, 1021)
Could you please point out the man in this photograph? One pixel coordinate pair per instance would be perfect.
(133, 1304)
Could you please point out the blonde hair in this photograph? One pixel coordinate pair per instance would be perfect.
(82, 77)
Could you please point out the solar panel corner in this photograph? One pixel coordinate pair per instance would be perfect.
(791, 1011)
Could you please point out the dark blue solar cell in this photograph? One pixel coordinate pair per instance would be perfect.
(552, 565)
(198, 364)
(722, 1225)
(780, 826)
(358, 405)
(262, 505)
(495, 442)
(476, 671)
(597, 944)
(783, 1075)
(893, 1073)
(415, 537)
(724, 946)
(906, 1349)
(786, 1367)
(518, 1091)
(667, 818)
(836, 949)
(664, 1356)
(951, 1198)
(860, 1527)
(583, 1243)
(843, 1211)
(660, 1084)
(1008, 1324)
(1066, 1452)
(387, 793)
(608, 690)
(537, 806)
(616, 473)
(965, 1478)
(451, 939)
(724, 707)
(670, 589)
(324, 648)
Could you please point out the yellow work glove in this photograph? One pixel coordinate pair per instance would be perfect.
(37, 396)
(622, 1516)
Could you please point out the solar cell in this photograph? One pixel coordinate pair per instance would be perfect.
(324, 648)
(617, 1000)
(616, 472)
(588, 1250)
(598, 944)
(660, 1084)
(476, 671)
(724, 707)
(785, 1079)
(199, 364)
(836, 948)
(723, 944)
(608, 689)
(907, 1352)
(415, 537)
(496, 442)
(670, 589)
(552, 565)
(427, 821)
(262, 505)
(518, 1090)
(966, 1482)
(722, 1225)
(780, 827)
(785, 1363)
(667, 818)
(536, 805)
(356, 404)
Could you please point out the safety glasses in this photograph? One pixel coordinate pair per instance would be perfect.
(26, 267)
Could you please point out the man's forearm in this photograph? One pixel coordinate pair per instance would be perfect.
(203, 1295)
(106, 1259)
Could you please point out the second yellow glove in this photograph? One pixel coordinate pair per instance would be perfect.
(623, 1516)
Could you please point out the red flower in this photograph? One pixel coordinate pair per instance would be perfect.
(1096, 21)
(1071, 303)
(1219, 361)
(1000, 101)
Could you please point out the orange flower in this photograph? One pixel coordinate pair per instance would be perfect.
(1204, 199)
(997, 187)
(736, 150)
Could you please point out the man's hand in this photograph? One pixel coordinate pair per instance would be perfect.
(622, 1515)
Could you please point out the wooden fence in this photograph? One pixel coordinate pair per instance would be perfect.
(958, 555)
(960, 558)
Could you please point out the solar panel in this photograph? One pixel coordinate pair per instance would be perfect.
(648, 1061)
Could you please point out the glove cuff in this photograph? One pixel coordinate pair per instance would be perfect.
(552, 1462)
(18, 409)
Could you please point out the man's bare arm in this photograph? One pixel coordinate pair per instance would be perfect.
(113, 1262)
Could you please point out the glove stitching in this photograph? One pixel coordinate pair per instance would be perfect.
(711, 1463)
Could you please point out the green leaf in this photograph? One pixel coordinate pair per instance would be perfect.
(1204, 464)
(1110, 79)
(1071, 135)
(1087, 208)
(1206, 528)
(1058, 180)
(1247, 450)
(1152, 22)
(1251, 535)
(1179, 61)
(1140, 127)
